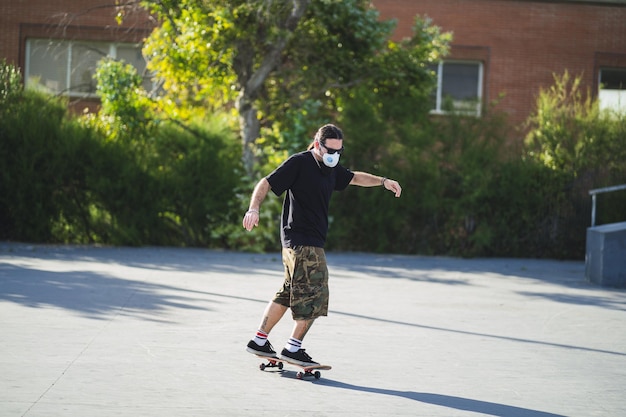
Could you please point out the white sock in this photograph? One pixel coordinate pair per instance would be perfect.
(260, 338)
(293, 345)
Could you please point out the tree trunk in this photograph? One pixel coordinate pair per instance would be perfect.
(250, 129)
(251, 81)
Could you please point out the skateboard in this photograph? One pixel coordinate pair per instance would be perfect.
(307, 371)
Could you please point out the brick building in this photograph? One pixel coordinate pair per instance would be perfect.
(512, 48)
(57, 43)
(502, 49)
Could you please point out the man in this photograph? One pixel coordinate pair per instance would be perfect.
(309, 178)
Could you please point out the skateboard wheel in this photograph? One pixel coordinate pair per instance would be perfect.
(300, 375)
(262, 366)
(317, 374)
(280, 365)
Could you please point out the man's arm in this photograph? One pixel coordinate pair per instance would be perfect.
(364, 179)
(251, 217)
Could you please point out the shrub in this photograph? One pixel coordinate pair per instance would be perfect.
(40, 180)
(95, 181)
(569, 134)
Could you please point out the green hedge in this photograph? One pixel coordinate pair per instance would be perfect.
(466, 191)
(63, 180)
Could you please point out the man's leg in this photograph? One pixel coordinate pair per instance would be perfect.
(272, 315)
(293, 351)
(300, 328)
(294, 344)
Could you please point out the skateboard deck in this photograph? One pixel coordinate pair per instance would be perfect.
(307, 371)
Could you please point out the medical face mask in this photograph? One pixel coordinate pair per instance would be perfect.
(331, 159)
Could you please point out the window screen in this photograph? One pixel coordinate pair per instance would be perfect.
(458, 87)
(612, 89)
(67, 67)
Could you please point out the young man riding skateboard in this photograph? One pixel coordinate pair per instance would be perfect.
(309, 178)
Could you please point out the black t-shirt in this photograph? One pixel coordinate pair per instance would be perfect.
(304, 219)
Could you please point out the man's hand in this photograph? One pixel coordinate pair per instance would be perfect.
(393, 186)
(251, 219)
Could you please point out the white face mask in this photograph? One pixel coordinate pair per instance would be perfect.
(331, 160)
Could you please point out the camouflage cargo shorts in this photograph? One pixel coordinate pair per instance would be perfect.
(305, 289)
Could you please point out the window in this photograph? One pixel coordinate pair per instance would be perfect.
(459, 87)
(612, 90)
(67, 67)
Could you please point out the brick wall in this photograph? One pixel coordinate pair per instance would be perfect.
(523, 43)
(67, 19)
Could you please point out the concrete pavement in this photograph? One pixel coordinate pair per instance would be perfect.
(100, 332)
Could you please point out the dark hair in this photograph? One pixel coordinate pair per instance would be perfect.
(328, 131)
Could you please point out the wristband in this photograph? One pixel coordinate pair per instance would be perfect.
(382, 182)
(252, 211)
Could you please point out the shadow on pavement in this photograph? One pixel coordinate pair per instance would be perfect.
(512, 339)
(457, 403)
(92, 294)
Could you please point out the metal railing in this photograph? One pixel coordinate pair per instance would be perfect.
(597, 191)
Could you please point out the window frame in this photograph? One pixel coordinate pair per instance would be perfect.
(70, 44)
(605, 99)
(439, 99)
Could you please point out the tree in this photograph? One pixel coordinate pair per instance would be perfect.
(266, 57)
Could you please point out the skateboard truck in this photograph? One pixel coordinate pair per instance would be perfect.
(271, 363)
(307, 373)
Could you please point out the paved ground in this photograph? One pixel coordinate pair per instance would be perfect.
(100, 332)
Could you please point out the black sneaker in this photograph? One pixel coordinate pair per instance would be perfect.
(265, 350)
(300, 357)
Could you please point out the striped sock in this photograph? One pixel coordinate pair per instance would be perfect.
(260, 338)
(293, 345)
